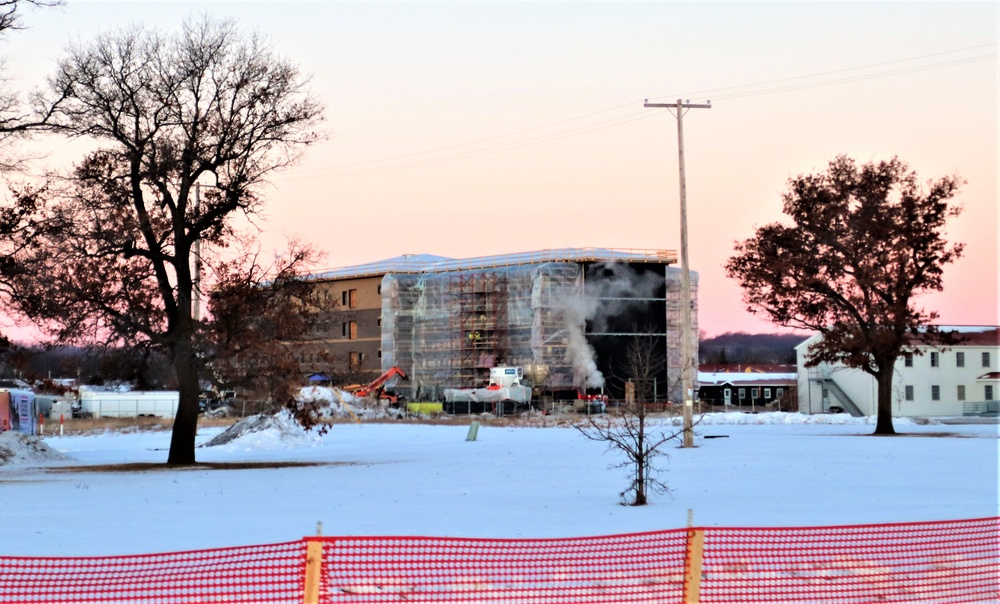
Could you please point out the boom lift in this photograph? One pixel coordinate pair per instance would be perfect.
(376, 389)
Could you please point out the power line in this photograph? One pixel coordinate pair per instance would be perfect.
(712, 91)
(392, 163)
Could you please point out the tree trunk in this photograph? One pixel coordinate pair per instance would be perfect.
(641, 460)
(883, 425)
(186, 423)
(640, 479)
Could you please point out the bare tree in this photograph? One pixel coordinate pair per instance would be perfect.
(866, 240)
(260, 316)
(189, 126)
(630, 433)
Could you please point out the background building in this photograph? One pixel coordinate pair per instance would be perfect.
(567, 316)
(753, 387)
(951, 381)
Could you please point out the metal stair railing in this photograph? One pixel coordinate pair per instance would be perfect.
(985, 408)
(845, 401)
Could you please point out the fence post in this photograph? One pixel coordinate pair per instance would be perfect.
(314, 566)
(692, 565)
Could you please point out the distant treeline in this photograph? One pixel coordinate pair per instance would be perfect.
(750, 348)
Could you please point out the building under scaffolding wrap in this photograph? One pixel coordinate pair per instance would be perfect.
(566, 316)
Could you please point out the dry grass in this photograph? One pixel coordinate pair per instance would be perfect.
(122, 424)
(134, 468)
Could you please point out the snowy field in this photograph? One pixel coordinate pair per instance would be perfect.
(408, 478)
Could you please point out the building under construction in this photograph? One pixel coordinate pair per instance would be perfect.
(566, 316)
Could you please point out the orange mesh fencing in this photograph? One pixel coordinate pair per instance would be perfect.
(956, 561)
(257, 573)
(951, 561)
(644, 567)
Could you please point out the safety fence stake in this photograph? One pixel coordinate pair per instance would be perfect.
(314, 568)
(692, 565)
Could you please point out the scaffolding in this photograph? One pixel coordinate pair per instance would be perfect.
(447, 329)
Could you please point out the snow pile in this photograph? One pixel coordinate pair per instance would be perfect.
(19, 448)
(336, 403)
(265, 432)
(785, 418)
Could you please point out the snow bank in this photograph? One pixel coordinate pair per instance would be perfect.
(279, 431)
(337, 403)
(18, 448)
(785, 418)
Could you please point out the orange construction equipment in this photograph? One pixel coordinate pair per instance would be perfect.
(376, 389)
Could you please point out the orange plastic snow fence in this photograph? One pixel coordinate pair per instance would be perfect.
(941, 562)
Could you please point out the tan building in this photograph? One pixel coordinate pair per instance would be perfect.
(565, 316)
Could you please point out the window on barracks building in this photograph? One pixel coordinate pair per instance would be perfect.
(934, 359)
(908, 393)
(959, 359)
(961, 392)
(935, 393)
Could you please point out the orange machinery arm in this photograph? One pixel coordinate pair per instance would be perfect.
(376, 386)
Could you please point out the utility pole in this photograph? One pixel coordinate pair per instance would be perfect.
(687, 363)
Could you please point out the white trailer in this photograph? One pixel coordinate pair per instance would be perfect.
(129, 404)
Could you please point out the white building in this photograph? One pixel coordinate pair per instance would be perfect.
(963, 379)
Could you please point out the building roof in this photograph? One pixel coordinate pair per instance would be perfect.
(427, 263)
(747, 379)
(969, 335)
(746, 368)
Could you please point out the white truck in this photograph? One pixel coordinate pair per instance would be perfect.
(97, 403)
(504, 393)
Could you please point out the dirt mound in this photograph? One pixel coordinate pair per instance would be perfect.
(19, 448)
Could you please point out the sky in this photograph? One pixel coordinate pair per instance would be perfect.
(480, 128)
(405, 478)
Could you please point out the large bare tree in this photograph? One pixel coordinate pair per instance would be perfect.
(865, 241)
(187, 127)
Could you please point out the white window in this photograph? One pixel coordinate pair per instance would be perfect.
(934, 359)
(779, 393)
(935, 393)
(755, 393)
(743, 393)
(961, 392)
(767, 393)
(989, 392)
(959, 359)
(986, 359)
(908, 393)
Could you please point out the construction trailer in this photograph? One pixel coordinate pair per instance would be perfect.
(99, 403)
(567, 317)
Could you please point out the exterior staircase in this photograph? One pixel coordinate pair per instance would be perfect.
(845, 401)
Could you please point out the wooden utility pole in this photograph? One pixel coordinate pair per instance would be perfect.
(687, 362)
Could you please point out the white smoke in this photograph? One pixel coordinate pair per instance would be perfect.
(580, 353)
(604, 297)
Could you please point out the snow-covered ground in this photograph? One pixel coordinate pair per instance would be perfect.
(410, 478)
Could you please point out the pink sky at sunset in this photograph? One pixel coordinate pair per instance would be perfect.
(468, 129)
